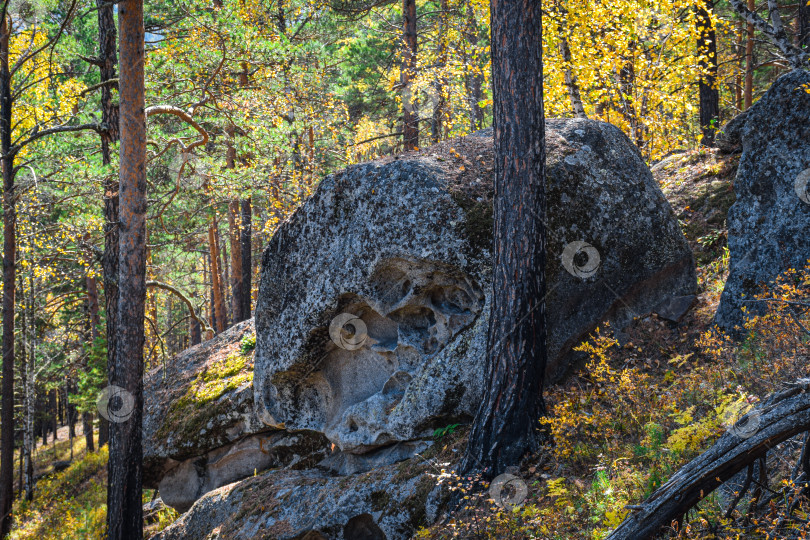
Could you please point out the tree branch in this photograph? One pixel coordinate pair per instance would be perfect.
(186, 117)
(184, 298)
(795, 56)
(102, 84)
(781, 417)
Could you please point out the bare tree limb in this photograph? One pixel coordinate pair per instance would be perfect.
(781, 417)
(102, 84)
(186, 117)
(192, 310)
(775, 31)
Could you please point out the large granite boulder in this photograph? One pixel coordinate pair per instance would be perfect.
(769, 222)
(372, 310)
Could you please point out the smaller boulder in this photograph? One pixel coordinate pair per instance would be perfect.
(768, 223)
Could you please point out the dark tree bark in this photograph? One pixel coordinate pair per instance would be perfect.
(125, 473)
(247, 259)
(803, 36)
(234, 236)
(708, 90)
(54, 413)
(194, 329)
(410, 121)
(505, 426)
(440, 84)
(94, 321)
(70, 408)
(108, 50)
(474, 80)
(218, 303)
(9, 287)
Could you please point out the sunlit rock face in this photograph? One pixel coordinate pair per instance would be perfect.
(768, 223)
(372, 312)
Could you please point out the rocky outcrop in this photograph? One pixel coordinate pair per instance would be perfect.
(200, 431)
(372, 311)
(768, 223)
(200, 400)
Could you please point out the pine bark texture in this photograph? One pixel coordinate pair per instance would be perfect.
(708, 90)
(124, 506)
(748, 92)
(234, 226)
(218, 303)
(245, 237)
(506, 425)
(410, 122)
(9, 288)
(108, 54)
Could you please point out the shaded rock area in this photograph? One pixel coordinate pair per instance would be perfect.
(192, 478)
(401, 246)
(768, 223)
(389, 502)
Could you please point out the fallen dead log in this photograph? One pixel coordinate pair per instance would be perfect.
(782, 416)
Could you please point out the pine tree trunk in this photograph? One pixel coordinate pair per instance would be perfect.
(30, 394)
(803, 35)
(54, 414)
(440, 84)
(108, 50)
(474, 79)
(227, 299)
(410, 124)
(194, 330)
(9, 286)
(246, 239)
(218, 305)
(70, 409)
(505, 426)
(748, 93)
(234, 227)
(124, 506)
(708, 91)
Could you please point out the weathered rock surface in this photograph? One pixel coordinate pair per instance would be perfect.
(200, 431)
(387, 503)
(768, 223)
(372, 311)
(200, 400)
